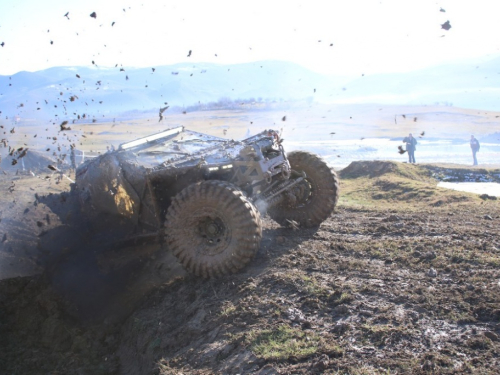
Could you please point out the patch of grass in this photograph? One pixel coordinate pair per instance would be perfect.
(306, 284)
(396, 188)
(312, 286)
(464, 257)
(228, 308)
(479, 343)
(282, 343)
(169, 366)
(345, 298)
(377, 254)
(384, 250)
(380, 335)
(339, 298)
(461, 317)
(492, 261)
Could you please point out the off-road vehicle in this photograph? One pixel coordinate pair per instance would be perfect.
(207, 194)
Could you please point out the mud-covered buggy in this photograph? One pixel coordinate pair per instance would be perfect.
(207, 194)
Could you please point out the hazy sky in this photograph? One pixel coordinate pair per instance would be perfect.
(330, 36)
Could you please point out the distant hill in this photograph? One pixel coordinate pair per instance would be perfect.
(68, 92)
(100, 91)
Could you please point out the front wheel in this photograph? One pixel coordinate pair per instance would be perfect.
(314, 199)
(213, 229)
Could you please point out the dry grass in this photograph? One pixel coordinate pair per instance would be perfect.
(314, 122)
(404, 187)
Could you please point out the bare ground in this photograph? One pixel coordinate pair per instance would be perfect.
(402, 279)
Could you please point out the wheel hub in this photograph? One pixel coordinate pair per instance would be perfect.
(302, 191)
(212, 228)
(212, 232)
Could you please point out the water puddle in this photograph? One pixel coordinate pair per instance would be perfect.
(490, 188)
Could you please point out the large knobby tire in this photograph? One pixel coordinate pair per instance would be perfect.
(316, 197)
(213, 229)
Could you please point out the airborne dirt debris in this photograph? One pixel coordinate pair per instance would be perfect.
(402, 279)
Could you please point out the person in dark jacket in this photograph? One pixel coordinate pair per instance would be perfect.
(474, 145)
(411, 144)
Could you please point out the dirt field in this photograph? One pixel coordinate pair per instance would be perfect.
(404, 278)
(298, 121)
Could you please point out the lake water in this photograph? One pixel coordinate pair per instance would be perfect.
(490, 188)
(340, 153)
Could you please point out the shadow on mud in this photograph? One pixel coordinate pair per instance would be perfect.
(101, 268)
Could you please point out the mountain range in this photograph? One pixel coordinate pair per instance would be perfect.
(96, 92)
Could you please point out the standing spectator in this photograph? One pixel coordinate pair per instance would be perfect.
(474, 145)
(411, 144)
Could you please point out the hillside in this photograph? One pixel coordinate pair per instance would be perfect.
(71, 91)
(97, 92)
(402, 278)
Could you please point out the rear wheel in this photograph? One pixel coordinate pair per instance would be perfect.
(313, 200)
(213, 229)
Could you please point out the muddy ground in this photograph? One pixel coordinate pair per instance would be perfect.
(404, 278)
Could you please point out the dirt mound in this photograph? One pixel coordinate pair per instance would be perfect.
(368, 168)
(377, 168)
(33, 161)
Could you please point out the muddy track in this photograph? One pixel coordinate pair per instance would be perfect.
(371, 290)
